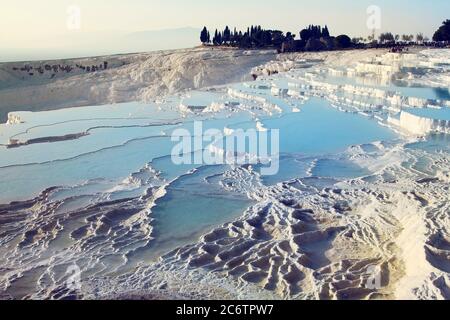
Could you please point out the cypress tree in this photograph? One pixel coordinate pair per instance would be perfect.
(204, 35)
(325, 32)
(226, 35)
(443, 33)
(215, 42)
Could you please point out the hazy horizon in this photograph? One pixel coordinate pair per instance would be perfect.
(62, 28)
(105, 43)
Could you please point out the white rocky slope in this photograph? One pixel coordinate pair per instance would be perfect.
(137, 77)
(302, 240)
(369, 238)
(131, 77)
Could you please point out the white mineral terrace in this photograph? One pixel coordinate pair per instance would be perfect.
(361, 194)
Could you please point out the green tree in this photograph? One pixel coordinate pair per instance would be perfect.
(419, 37)
(386, 37)
(325, 32)
(215, 38)
(343, 41)
(277, 38)
(204, 35)
(266, 38)
(315, 44)
(226, 35)
(443, 33)
(305, 34)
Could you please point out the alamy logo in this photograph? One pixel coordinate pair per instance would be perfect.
(374, 280)
(232, 147)
(73, 21)
(73, 281)
(374, 17)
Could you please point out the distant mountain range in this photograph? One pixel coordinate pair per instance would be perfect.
(163, 39)
(80, 44)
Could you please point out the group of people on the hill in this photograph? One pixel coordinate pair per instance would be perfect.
(399, 49)
(93, 68)
(56, 68)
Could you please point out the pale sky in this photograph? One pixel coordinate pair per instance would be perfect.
(37, 23)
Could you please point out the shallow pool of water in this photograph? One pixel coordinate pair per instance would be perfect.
(319, 129)
(394, 86)
(431, 113)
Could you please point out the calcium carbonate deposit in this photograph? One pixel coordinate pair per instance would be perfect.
(93, 205)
